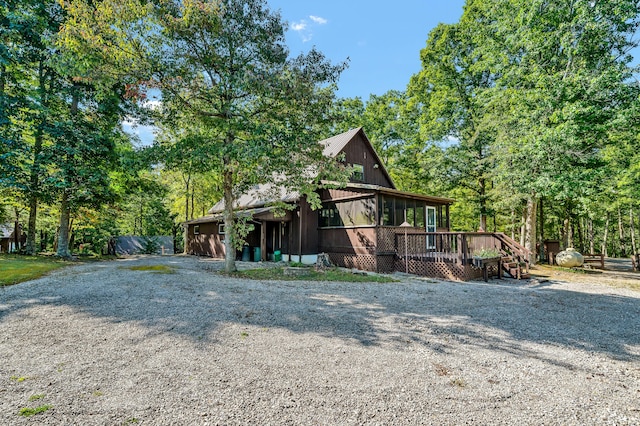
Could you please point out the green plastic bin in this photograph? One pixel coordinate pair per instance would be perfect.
(257, 254)
(246, 253)
(277, 256)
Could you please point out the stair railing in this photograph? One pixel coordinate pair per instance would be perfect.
(518, 252)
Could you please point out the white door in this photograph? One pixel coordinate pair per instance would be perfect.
(431, 227)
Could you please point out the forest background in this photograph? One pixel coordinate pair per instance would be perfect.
(525, 112)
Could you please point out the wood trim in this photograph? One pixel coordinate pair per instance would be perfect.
(349, 198)
(346, 227)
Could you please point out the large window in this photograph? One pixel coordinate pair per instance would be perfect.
(399, 207)
(394, 211)
(420, 222)
(348, 213)
(410, 212)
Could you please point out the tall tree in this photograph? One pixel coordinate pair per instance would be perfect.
(28, 80)
(83, 153)
(564, 78)
(226, 64)
(448, 96)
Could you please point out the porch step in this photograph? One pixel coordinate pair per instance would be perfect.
(513, 268)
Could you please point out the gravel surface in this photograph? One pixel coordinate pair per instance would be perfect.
(105, 345)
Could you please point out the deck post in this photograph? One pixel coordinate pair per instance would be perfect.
(263, 241)
(406, 225)
(465, 249)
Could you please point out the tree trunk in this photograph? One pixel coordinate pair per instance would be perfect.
(34, 173)
(513, 224)
(483, 205)
(570, 231)
(530, 228)
(605, 236)
(541, 251)
(187, 185)
(34, 182)
(623, 246)
(523, 228)
(63, 232)
(230, 252)
(65, 208)
(580, 237)
(590, 235)
(193, 195)
(141, 216)
(632, 231)
(187, 181)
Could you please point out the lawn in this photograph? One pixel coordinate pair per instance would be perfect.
(617, 279)
(16, 269)
(310, 274)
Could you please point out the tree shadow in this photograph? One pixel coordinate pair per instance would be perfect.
(437, 316)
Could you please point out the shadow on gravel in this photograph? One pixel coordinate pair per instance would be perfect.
(440, 317)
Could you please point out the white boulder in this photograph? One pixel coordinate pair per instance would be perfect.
(569, 258)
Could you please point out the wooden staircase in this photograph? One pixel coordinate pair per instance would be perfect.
(515, 259)
(514, 268)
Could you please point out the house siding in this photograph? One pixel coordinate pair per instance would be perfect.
(358, 151)
(207, 243)
(308, 230)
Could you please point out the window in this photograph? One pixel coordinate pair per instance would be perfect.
(221, 228)
(348, 213)
(386, 217)
(399, 212)
(329, 216)
(420, 221)
(358, 173)
(411, 212)
(196, 229)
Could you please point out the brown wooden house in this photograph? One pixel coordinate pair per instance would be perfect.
(8, 240)
(356, 226)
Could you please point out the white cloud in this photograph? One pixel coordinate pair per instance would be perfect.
(318, 20)
(303, 28)
(299, 26)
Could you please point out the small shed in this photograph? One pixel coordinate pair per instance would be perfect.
(8, 238)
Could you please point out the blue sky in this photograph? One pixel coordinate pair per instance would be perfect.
(381, 39)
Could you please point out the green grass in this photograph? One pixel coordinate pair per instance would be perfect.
(311, 275)
(15, 269)
(36, 397)
(159, 269)
(28, 412)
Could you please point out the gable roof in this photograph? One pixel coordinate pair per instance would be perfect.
(6, 230)
(335, 144)
(258, 196)
(263, 194)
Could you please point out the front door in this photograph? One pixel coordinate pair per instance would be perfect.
(431, 227)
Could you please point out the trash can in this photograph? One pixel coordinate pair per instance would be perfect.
(256, 254)
(246, 253)
(277, 256)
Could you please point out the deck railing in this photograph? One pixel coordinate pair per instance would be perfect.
(454, 247)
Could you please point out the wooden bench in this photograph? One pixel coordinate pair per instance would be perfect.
(635, 262)
(596, 260)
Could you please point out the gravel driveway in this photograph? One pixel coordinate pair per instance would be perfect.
(102, 344)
